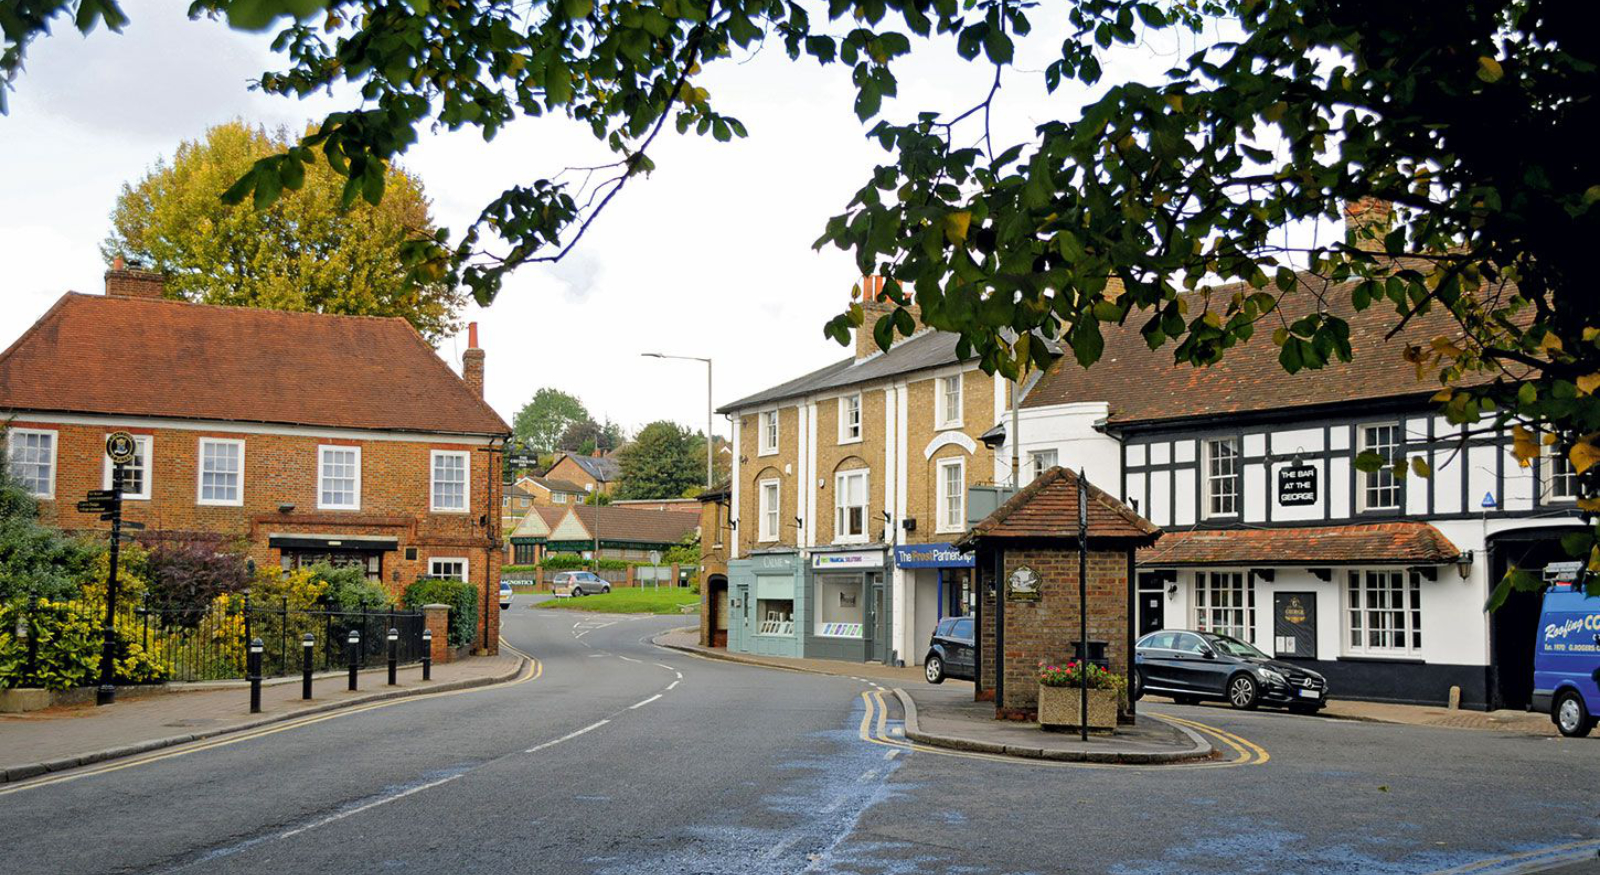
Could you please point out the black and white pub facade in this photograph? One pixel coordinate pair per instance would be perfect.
(1273, 536)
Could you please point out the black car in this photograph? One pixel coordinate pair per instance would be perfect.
(1190, 666)
(950, 652)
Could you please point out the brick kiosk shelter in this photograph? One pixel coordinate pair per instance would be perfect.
(300, 437)
(1027, 561)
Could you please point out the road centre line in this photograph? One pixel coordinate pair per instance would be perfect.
(673, 684)
(367, 807)
(569, 736)
(645, 702)
(630, 659)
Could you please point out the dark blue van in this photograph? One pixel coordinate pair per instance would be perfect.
(1566, 660)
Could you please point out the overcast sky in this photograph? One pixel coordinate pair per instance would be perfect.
(709, 256)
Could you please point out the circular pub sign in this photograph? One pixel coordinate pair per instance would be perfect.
(120, 446)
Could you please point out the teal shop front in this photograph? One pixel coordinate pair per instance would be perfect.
(766, 594)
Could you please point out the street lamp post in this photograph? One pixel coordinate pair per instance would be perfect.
(710, 413)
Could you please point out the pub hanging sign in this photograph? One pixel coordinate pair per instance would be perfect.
(1297, 485)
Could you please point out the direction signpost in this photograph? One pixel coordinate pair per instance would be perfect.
(120, 447)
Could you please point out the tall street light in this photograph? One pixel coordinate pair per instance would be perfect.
(710, 438)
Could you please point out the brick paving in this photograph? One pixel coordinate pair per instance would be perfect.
(64, 732)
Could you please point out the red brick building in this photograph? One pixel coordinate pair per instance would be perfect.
(301, 436)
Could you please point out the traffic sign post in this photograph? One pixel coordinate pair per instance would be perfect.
(121, 448)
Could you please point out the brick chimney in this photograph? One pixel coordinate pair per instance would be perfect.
(1363, 214)
(874, 304)
(472, 361)
(131, 282)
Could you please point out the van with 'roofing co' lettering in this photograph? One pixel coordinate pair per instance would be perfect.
(1566, 660)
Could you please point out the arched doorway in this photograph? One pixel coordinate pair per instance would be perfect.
(717, 607)
(1513, 627)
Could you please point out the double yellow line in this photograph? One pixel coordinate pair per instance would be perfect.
(532, 672)
(874, 729)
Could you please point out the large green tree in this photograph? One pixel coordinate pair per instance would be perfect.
(1474, 118)
(538, 426)
(665, 460)
(303, 251)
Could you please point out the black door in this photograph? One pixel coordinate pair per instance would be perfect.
(1294, 625)
(1513, 627)
(1153, 600)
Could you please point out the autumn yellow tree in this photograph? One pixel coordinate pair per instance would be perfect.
(304, 252)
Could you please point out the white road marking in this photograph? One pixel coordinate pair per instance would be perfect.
(673, 684)
(679, 675)
(568, 737)
(780, 847)
(596, 655)
(866, 776)
(631, 659)
(645, 702)
(660, 665)
(891, 754)
(367, 807)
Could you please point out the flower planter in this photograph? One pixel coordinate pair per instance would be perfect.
(1059, 708)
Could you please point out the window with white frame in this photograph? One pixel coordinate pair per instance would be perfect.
(1222, 477)
(1380, 490)
(767, 512)
(1560, 478)
(221, 472)
(947, 404)
(952, 495)
(850, 418)
(454, 568)
(1040, 461)
(135, 474)
(768, 432)
(850, 506)
(1225, 603)
(339, 478)
(31, 459)
(1383, 612)
(449, 481)
(558, 498)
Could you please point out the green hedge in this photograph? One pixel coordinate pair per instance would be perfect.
(574, 562)
(460, 596)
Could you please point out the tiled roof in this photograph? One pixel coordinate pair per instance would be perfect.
(635, 524)
(601, 468)
(152, 357)
(1048, 508)
(1398, 542)
(551, 485)
(929, 349)
(1141, 384)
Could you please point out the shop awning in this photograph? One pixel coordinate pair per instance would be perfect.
(1402, 543)
(349, 543)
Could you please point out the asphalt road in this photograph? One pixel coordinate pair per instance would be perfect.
(619, 757)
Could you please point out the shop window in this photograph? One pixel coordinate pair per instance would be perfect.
(1379, 489)
(1225, 603)
(775, 617)
(850, 506)
(1383, 612)
(1222, 477)
(841, 605)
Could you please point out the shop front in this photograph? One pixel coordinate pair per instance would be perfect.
(765, 595)
(936, 581)
(849, 609)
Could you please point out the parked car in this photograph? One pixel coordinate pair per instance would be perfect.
(505, 596)
(1191, 666)
(580, 582)
(951, 651)
(1566, 663)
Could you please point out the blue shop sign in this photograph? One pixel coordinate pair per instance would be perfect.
(931, 556)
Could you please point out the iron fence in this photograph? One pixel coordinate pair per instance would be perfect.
(211, 642)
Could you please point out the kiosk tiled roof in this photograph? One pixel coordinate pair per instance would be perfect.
(150, 357)
(1144, 385)
(1398, 542)
(1048, 508)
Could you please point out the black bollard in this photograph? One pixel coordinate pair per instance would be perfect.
(427, 654)
(308, 647)
(355, 656)
(394, 654)
(254, 670)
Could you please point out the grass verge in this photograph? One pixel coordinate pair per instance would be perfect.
(628, 601)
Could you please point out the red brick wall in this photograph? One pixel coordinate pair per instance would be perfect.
(282, 469)
(1045, 630)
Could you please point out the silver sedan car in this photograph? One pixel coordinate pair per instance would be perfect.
(580, 582)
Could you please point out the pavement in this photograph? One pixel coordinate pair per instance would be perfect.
(619, 757)
(688, 640)
(64, 737)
